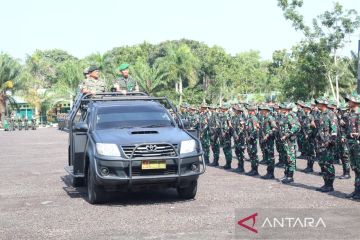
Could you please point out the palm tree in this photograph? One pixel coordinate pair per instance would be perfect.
(9, 70)
(180, 64)
(148, 78)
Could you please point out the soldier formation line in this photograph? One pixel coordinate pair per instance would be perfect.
(323, 132)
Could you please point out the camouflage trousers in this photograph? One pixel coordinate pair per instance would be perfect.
(281, 150)
(262, 144)
(227, 150)
(310, 148)
(269, 153)
(301, 143)
(354, 153)
(290, 163)
(215, 147)
(344, 155)
(205, 142)
(252, 151)
(240, 147)
(326, 158)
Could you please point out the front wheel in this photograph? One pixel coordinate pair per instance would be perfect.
(95, 193)
(188, 192)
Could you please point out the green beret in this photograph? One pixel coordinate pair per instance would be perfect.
(93, 68)
(123, 66)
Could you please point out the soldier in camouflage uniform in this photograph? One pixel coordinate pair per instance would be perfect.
(204, 132)
(326, 138)
(125, 83)
(261, 139)
(214, 128)
(278, 143)
(343, 116)
(267, 130)
(289, 126)
(239, 133)
(252, 132)
(93, 83)
(309, 132)
(226, 131)
(336, 148)
(301, 141)
(353, 137)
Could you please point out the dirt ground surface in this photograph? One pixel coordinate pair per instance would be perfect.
(37, 201)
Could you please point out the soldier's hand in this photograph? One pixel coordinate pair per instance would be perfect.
(283, 138)
(354, 135)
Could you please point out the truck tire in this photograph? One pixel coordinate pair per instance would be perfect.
(188, 192)
(95, 193)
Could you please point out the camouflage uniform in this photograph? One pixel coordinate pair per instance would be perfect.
(289, 127)
(252, 132)
(353, 139)
(343, 117)
(214, 128)
(204, 133)
(278, 143)
(93, 85)
(301, 140)
(267, 130)
(309, 133)
(326, 138)
(127, 84)
(239, 134)
(225, 138)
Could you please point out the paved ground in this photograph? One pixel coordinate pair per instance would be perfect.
(36, 201)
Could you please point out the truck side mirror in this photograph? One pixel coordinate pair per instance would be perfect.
(80, 127)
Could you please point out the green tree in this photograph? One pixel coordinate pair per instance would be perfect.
(180, 64)
(9, 71)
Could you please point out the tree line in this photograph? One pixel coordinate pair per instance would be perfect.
(193, 72)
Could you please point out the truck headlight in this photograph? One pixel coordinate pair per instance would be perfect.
(187, 146)
(108, 149)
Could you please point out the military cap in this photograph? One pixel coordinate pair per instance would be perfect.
(276, 106)
(264, 107)
(251, 108)
(93, 68)
(225, 106)
(354, 97)
(321, 100)
(287, 106)
(332, 104)
(123, 66)
(300, 103)
(307, 105)
(86, 71)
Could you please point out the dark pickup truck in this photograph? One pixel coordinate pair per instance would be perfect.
(131, 142)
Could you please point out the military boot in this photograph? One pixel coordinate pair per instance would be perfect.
(356, 193)
(206, 160)
(227, 166)
(346, 174)
(269, 174)
(240, 168)
(215, 163)
(289, 178)
(309, 167)
(328, 186)
(253, 172)
(320, 189)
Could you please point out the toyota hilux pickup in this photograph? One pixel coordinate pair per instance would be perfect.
(131, 142)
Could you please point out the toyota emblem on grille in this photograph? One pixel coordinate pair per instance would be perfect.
(151, 148)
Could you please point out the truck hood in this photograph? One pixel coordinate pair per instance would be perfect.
(135, 136)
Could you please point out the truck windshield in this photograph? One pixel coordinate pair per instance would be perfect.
(132, 116)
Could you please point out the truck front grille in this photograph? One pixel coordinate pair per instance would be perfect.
(150, 150)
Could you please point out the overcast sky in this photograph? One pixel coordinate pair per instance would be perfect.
(82, 27)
